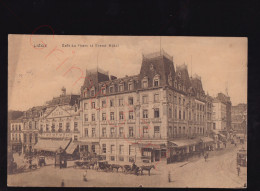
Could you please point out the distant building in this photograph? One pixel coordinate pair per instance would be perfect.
(239, 118)
(59, 123)
(16, 135)
(222, 113)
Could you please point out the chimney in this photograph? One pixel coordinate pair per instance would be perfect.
(63, 90)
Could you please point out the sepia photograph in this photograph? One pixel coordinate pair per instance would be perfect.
(127, 111)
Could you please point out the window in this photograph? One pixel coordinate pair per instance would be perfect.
(183, 102)
(156, 97)
(175, 84)
(145, 130)
(104, 148)
(121, 149)
(156, 82)
(112, 150)
(112, 132)
(170, 113)
(189, 115)
(53, 128)
(121, 115)
(179, 130)
(112, 158)
(112, 116)
(130, 86)
(156, 113)
(103, 90)
(104, 132)
(75, 137)
(121, 131)
(179, 100)
(131, 150)
(175, 114)
(30, 138)
(179, 86)
(30, 125)
(75, 126)
(131, 115)
(60, 127)
(104, 103)
(111, 103)
(47, 127)
(103, 116)
(67, 127)
(179, 114)
(93, 132)
(131, 131)
(156, 129)
(19, 127)
(111, 89)
(145, 84)
(170, 98)
(92, 93)
(86, 132)
(93, 148)
(121, 87)
(145, 99)
(145, 113)
(93, 105)
(120, 102)
(25, 138)
(86, 117)
(130, 100)
(93, 117)
(184, 132)
(184, 115)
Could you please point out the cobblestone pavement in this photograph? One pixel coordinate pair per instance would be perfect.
(218, 171)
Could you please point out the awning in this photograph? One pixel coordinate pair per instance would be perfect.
(206, 139)
(51, 145)
(150, 145)
(71, 148)
(184, 143)
(86, 143)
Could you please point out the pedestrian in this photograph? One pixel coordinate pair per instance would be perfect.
(238, 170)
(169, 176)
(85, 176)
(205, 157)
(62, 183)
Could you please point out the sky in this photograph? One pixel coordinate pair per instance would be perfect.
(37, 74)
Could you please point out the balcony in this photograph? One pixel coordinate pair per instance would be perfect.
(103, 123)
(156, 120)
(112, 136)
(76, 130)
(145, 120)
(67, 130)
(131, 121)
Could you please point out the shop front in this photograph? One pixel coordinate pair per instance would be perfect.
(181, 150)
(151, 152)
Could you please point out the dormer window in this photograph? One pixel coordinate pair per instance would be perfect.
(121, 87)
(145, 82)
(130, 86)
(92, 93)
(103, 90)
(175, 84)
(156, 81)
(111, 89)
(179, 86)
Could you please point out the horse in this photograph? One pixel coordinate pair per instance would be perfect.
(128, 169)
(147, 168)
(116, 166)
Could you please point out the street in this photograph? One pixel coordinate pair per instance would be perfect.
(218, 171)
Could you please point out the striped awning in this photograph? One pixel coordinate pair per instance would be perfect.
(184, 142)
(206, 139)
(71, 148)
(51, 145)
